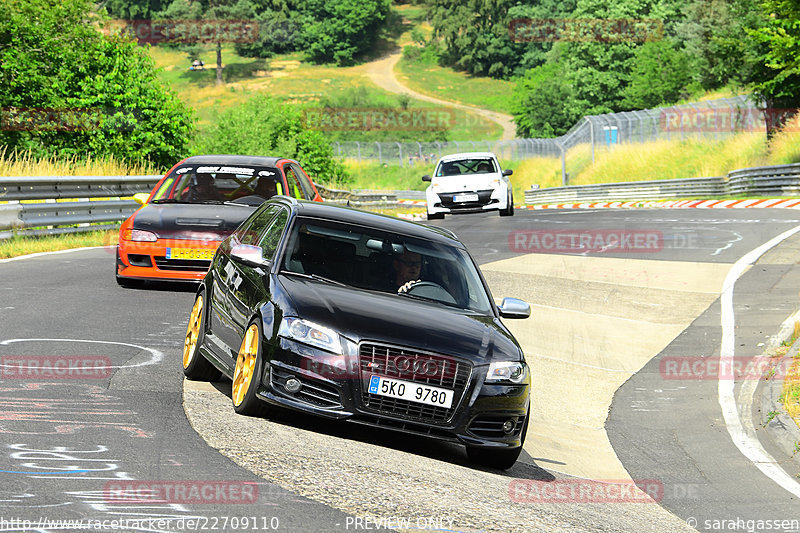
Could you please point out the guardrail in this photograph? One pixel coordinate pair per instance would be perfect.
(97, 202)
(780, 180)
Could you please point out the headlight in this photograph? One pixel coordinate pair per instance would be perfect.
(507, 371)
(495, 183)
(311, 333)
(139, 235)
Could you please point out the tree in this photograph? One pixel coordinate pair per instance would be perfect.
(660, 75)
(266, 126)
(544, 102)
(338, 30)
(778, 78)
(133, 9)
(66, 89)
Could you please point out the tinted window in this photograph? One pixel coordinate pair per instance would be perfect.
(251, 229)
(271, 238)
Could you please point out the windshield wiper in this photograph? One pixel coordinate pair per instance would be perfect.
(165, 201)
(315, 277)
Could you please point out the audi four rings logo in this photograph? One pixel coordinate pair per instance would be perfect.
(427, 367)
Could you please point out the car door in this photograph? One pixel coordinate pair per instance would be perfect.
(295, 185)
(250, 285)
(305, 182)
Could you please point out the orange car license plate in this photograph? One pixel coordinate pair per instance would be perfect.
(202, 254)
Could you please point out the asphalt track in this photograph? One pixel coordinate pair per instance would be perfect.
(68, 443)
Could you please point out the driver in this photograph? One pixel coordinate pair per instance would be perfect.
(407, 268)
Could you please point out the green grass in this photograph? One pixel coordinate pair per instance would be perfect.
(451, 85)
(21, 245)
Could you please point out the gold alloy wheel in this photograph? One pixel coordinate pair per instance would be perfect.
(245, 365)
(192, 332)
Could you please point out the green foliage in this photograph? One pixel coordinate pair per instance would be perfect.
(544, 102)
(102, 91)
(269, 127)
(338, 30)
(778, 83)
(133, 9)
(659, 76)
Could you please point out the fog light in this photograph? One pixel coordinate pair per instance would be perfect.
(293, 385)
(508, 426)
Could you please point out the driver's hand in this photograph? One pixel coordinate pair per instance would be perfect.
(407, 286)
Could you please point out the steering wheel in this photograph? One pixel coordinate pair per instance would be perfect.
(429, 289)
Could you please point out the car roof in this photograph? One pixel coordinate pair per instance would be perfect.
(251, 160)
(467, 155)
(387, 223)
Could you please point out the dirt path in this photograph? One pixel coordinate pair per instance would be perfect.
(381, 72)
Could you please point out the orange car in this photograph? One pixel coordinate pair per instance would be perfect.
(199, 202)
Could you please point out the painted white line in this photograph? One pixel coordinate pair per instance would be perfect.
(747, 444)
(155, 355)
(40, 254)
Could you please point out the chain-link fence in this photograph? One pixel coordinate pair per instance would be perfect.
(712, 119)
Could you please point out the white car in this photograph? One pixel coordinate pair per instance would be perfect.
(469, 183)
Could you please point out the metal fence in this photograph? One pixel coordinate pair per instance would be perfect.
(713, 119)
(780, 180)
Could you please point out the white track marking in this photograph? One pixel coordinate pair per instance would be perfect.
(40, 254)
(155, 355)
(745, 440)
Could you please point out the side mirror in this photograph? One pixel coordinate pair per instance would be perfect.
(514, 308)
(248, 254)
(507, 172)
(141, 197)
(426, 177)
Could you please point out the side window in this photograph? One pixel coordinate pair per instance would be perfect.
(272, 237)
(304, 181)
(295, 189)
(249, 231)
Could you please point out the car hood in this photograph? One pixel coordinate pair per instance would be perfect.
(191, 221)
(392, 319)
(469, 182)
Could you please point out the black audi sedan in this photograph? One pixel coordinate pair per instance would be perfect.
(366, 318)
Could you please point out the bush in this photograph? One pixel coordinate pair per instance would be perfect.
(268, 127)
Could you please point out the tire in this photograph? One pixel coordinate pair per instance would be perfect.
(126, 283)
(195, 366)
(509, 210)
(247, 373)
(435, 216)
(501, 459)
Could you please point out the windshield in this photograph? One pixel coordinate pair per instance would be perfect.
(371, 259)
(198, 184)
(466, 166)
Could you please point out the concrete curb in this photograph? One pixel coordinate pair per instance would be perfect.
(781, 429)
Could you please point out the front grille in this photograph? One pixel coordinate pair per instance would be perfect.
(183, 265)
(417, 367)
(491, 427)
(484, 197)
(313, 392)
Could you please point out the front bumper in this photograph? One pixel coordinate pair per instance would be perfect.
(488, 200)
(334, 386)
(148, 261)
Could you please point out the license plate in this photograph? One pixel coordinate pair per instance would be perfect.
(203, 254)
(413, 392)
(465, 198)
